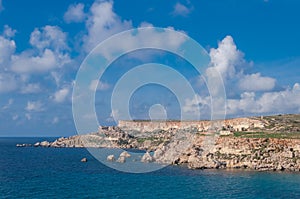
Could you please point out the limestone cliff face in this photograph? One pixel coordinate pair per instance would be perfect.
(189, 143)
(237, 124)
(252, 153)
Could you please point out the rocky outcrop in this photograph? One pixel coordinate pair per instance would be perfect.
(121, 159)
(147, 158)
(257, 154)
(259, 144)
(237, 124)
(125, 154)
(110, 158)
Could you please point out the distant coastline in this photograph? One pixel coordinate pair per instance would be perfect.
(258, 143)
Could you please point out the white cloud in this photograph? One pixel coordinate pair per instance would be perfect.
(8, 82)
(150, 38)
(28, 116)
(114, 116)
(57, 77)
(48, 60)
(9, 103)
(7, 49)
(102, 22)
(61, 95)
(229, 62)
(196, 106)
(49, 52)
(55, 120)
(15, 117)
(34, 106)
(226, 58)
(98, 85)
(75, 13)
(49, 37)
(31, 88)
(181, 10)
(255, 82)
(269, 102)
(9, 32)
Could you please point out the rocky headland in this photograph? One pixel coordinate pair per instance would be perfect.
(259, 143)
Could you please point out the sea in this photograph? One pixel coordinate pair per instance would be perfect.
(31, 172)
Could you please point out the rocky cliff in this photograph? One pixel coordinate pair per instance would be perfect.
(264, 143)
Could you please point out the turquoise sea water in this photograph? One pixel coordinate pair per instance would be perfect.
(58, 173)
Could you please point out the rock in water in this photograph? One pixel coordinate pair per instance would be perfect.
(23, 145)
(147, 158)
(125, 154)
(121, 159)
(110, 158)
(36, 144)
(84, 160)
(45, 144)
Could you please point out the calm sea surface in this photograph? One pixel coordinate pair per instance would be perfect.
(58, 173)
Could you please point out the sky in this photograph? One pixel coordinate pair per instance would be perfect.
(253, 44)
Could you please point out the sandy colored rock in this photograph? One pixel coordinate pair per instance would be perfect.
(110, 158)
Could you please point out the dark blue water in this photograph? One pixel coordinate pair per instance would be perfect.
(58, 173)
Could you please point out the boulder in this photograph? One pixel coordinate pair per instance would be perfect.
(36, 144)
(121, 159)
(83, 160)
(45, 144)
(110, 158)
(125, 154)
(147, 144)
(147, 158)
(158, 154)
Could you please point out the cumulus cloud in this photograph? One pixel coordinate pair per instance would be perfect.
(9, 32)
(9, 103)
(255, 82)
(48, 60)
(8, 82)
(250, 93)
(75, 13)
(7, 48)
(228, 63)
(151, 38)
(102, 22)
(49, 52)
(192, 105)
(61, 95)
(226, 58)
(98, 85)
(49, 37)
(35, 106)
(31, 88)
(269, 102)
(181, 10)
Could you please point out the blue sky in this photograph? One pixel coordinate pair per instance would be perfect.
(253, 44)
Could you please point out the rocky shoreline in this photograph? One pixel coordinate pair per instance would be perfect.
(196, 149)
